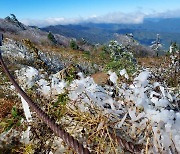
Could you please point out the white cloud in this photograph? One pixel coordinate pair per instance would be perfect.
(50, 21)
(165, 14)
(118, 17)
(115, 17)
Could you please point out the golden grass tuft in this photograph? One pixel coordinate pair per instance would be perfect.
(91, 127)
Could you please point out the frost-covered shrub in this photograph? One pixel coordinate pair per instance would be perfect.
(118, 51)
(157, 46)
(121, 58)
(173, 48)
(174, 70)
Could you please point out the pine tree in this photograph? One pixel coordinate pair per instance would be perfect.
(52, 38)
(13, 17)
(73, 45)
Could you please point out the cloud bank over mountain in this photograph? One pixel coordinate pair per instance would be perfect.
(114, 17)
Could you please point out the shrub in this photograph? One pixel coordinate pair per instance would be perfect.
(86, 54)
(116, 66)
(120, 58)
(73, 45)
(103, 54)
(59, 107)
(13, 121)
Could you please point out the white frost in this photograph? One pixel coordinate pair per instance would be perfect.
(44, 87)
(25, 134)
(26, 110)
(27, 76)
(124, 72)
(113, 77)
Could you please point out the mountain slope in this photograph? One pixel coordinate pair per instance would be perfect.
(17, 30)
(145, 33)
(92, 34)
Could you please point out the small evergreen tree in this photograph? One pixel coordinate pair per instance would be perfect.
(13, 17)
(73, 45)
(52, 38)
(8, 18)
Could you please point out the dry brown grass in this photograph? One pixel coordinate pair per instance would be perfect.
(100, 78)
(91, 127)
(151, 62)
(163, 68)
(5, 107)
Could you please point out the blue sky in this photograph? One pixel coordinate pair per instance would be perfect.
(76, 10)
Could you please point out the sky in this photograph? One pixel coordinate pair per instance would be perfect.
(52, 12)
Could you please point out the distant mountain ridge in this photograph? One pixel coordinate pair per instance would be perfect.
(145, 33)
(92, 34)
